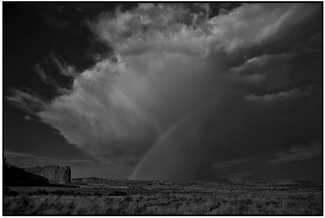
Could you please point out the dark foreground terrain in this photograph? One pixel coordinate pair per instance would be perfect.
(92, 196)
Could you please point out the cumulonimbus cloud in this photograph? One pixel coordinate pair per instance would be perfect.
(169, 62)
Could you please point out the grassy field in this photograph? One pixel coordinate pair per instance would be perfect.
(298, 198)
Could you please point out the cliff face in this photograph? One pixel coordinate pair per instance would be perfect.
(16, 176)
(53, 173)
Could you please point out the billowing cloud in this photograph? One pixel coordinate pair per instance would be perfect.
(173, 69)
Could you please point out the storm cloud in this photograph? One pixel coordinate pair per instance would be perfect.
(182, 90)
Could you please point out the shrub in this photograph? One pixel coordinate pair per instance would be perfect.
(41, 192)
(25, 200)
(8, 192)
(61, 192)
(118, 193)
(98, 194)
(128, 198)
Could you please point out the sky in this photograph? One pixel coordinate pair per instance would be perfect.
(173, 91)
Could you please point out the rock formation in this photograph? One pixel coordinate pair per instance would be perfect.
(53, 173)
(15, 176)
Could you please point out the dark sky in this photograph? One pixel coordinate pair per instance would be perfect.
(213, 91)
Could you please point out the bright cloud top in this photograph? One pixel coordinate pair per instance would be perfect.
(169, 62)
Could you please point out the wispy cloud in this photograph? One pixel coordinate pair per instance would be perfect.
(27, 160)
(63, 67)
(28, 118)
(238, 176)
(29, 102)
(280, 97)
(298, 153)
(226, 165)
